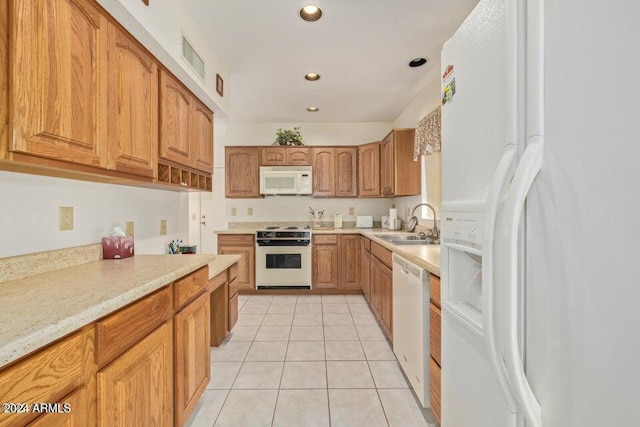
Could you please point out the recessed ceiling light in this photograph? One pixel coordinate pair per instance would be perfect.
(313, 109)
(310, 13)
(312, 77)
(417, 62)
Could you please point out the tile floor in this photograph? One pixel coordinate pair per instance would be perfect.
(307, 361)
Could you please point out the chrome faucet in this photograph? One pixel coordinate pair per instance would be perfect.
(434, 233)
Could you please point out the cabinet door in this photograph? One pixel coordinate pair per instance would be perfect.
(246, 264)
(175, 110)
(59, 74)
(387, 169)
(349, 262)
(273, 156)
(375, 280)
(137, 387)
(79, 403)
(324, 171)
(325, 266)
(435, 332)
(365, 276)
(191, 356)
(369, 170)
(299, 156)
(133, 106)
(386, 299)
(347, 172)
(242, 169)
(202, 137)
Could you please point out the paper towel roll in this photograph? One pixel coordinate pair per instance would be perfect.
(393, 213)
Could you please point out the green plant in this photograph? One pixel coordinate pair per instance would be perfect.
(288, 137)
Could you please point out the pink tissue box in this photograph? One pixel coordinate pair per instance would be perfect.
(117, 247)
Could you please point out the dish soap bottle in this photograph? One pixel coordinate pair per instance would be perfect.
(337, 220)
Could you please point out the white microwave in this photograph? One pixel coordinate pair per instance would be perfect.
(286, 180)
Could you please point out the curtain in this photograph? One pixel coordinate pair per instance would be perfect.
(428, 138)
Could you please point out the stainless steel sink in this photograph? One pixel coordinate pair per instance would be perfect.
(407, 239)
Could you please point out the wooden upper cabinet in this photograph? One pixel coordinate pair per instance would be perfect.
(175, 111)
(299, 156)
(399, 173)
(346, 171)
(133, 106)
(273, 156)
(242, 172)
(369, 170)
(59, 72)
(202, 137)
(324, 171)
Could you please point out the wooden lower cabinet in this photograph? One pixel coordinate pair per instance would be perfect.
(76, 403)
(385, 279)
(243, 245)
(192, 363)
(349, 261)
(435, 378)
(219, 301)
(365, 270)
(137, 387)
(435, 343)
(381, 280)
(325, 271)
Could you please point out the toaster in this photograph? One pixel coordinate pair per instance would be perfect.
(364, 221)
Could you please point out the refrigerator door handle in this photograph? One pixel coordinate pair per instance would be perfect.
(499, 182)
(525, 174)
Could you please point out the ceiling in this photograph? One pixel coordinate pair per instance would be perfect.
(361, 49)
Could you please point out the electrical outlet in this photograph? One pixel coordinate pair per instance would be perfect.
(352, 211)
(128, 228)
(233, 212)
(193, 216)
(249, 211)
(163, 227)
(65, 218)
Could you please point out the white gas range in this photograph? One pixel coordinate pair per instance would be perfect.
(283, 258)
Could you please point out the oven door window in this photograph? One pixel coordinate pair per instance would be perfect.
(281, 261)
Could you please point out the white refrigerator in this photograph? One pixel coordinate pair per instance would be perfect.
(540, 202)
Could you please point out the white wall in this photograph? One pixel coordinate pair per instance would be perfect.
(29, 214)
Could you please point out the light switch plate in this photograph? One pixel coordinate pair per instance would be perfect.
(163, 227)
(233, 212)
(65, 218)
(249, 211)
(352, 211)
(129, 228)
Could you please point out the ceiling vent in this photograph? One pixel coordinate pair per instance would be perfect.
(192, 57)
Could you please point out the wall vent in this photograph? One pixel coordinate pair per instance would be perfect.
(192, 57)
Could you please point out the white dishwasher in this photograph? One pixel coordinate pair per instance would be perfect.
(411, 324)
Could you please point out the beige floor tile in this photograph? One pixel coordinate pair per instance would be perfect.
(378, 350)
(310, 319)
(355, 408)
(305, 350)
(333, 299)
(281, 309)
(401, 408)
(388, 374)
(267, 351)
(369, 333)
(359, 309)
(230, 352)
(248, 408)
(349, 375)
(340, 333)
(243, 333)
(302, 408)
(278, 319)
(259, 375)
(261, 299)
(344, 350)
(207, 408)
(243, 298)
(308, 308)
(307, 333)
(304, 375)
(309, 299)
(355, 299)
(337, 319)
(284, 299)
(223, 374)
(365, 319)
(273, 333)
(251, 308)
(247, 319)
(335, 308)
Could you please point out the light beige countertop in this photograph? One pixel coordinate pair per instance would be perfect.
(425, 256)
(42, 308)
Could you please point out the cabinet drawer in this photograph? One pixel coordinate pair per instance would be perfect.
(434, 289)
(219, 280)
(48, 375)
(190, 286)
(434, 386)
(78, 401)
(233, 311)
(236, 239)
(325, 239)
(121, 330)
(233, 288)
(233, 272)
(367, 244)
(382, 253)
(434, 326)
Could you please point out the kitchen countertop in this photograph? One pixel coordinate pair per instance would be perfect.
(40, 309)
(425, 256)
